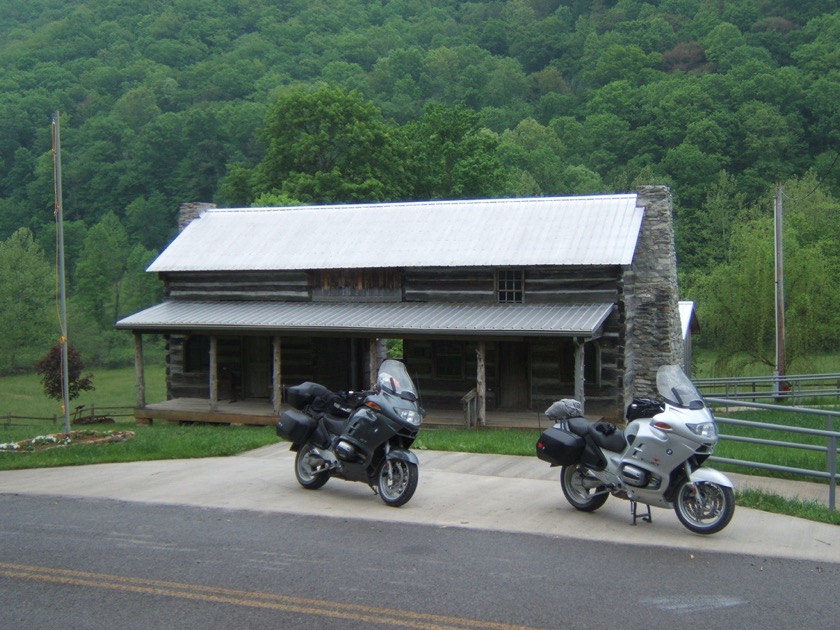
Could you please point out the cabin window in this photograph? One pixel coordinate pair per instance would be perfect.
(197, 354)
(510, 283)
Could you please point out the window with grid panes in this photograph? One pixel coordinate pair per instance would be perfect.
(510, 284)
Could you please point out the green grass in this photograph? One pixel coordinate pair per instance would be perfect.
(23, 396)
(768, 502)
(494, 441)
(150, 443)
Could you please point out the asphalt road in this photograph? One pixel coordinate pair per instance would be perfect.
(69, 562)
(487, 542)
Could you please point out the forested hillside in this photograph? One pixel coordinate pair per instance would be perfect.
(244, 102)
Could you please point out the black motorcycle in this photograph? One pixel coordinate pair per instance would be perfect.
(357, 436)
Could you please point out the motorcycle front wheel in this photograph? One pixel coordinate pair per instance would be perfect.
(580, 488)
(396, 481)
(704, 507)
(305, 469)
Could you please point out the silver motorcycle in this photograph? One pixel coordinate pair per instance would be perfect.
(655, 461)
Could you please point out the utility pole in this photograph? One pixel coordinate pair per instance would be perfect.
(62, 297)
(780, 293)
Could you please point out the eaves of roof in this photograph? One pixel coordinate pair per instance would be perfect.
(395, 319)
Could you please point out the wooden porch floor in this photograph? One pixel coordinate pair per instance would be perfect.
(261, 413)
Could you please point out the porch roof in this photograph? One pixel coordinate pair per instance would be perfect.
(373, 319)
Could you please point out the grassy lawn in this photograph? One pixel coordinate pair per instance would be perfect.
(23, 397)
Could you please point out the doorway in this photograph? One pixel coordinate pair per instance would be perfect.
(514, 380)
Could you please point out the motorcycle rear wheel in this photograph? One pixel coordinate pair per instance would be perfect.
(580, 487)
(396, 481)
(704, 507)
(305, 472)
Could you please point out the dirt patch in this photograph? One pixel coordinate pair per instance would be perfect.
(56, 440)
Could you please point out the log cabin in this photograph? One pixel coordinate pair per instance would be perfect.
(499, 305)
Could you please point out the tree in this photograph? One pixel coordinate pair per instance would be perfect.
(139, 288)
(100, 270)
(26, 297)
(451, 156)
(538, 151)
(50, 369)
(736, 299)
(328, 145)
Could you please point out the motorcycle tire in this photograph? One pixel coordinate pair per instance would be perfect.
(704, 507)
(578, 493)
(396, 481)
(304, 472)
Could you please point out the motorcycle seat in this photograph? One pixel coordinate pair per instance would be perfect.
(578, 426)
(604, 434)
(607, 436)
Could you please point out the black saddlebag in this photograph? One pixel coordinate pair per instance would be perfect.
(559, 447)
(295, 426)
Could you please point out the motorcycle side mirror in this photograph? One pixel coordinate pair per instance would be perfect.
(409, 396)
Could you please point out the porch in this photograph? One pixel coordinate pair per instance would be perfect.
(258, 412)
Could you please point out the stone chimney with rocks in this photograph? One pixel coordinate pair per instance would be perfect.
(191, 210)
(651, 297)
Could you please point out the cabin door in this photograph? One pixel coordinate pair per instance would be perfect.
(257, 362)
(514, 383)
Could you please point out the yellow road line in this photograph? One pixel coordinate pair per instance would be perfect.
(252, 599)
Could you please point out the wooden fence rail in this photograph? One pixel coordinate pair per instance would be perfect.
(80, 415)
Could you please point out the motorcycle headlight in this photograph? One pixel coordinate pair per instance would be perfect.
(410, 416)
(707, 430)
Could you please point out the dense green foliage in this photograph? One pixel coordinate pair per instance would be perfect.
(244, 102)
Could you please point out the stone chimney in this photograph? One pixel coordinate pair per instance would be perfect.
(652, 312)
(191, 210)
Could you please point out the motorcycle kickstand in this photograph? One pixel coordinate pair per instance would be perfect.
(645, 517)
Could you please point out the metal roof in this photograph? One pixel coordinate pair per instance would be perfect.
(592, 230)
(382, 319)
(688, 318)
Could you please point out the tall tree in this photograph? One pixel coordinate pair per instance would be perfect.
(100, 270)
(450, 155)
(328, 145)
(26, 299)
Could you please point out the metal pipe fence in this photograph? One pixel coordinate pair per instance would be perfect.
(830, 435)
(780, 388)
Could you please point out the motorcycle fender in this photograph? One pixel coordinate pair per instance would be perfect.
(712, 476)
(406, 456)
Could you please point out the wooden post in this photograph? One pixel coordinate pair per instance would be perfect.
(276, 379)
(214, 374)
(481, 386)
(140, 377)
(579, 395)
(372, 360)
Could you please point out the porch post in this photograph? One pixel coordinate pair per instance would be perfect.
(481, 385)
(140, 377)
(214, 374)
(372, 362)
(579, 395)
(276, 379)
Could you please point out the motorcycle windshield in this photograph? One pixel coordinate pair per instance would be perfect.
(394, 379)
(677, 389)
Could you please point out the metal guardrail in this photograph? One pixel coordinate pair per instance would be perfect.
(791, 387)
(830, 434)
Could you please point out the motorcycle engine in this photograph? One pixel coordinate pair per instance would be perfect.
(633, 476)
(345, 451)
